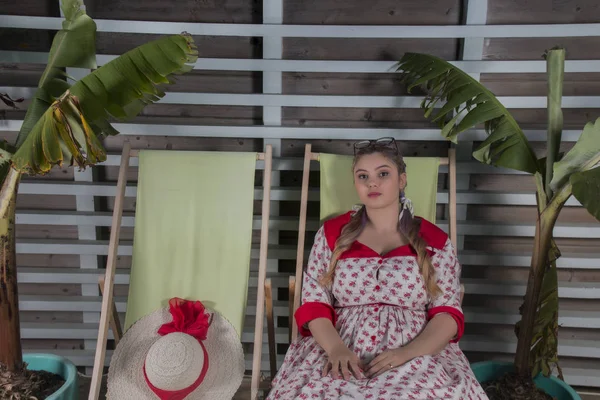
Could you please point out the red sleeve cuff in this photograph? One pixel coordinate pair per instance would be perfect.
(454, 313)
(313, 310)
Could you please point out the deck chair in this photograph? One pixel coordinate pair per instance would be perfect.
(337, 195)
(192, 239)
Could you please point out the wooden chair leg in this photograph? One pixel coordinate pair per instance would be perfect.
(115, 324)
(292, 294)
(271, 327)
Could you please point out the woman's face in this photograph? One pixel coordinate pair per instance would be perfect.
(377, 181)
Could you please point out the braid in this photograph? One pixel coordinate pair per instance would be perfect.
(349, 234)
(410, 227)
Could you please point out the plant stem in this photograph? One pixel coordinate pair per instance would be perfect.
(8, 188)
(10, 333)
(539, 261)
(555, 65)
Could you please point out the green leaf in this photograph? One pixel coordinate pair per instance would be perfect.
(586, 186)
(124, 86)
(583, 156)
(543, 161)
(73, 46)
(76, 41)
(69, 130)
(467, 104)
(555, 62)
(6, 152)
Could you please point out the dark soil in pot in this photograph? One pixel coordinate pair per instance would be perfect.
(511, 386)
(25, 384)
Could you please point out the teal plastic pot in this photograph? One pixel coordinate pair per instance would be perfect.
(488, 370)
(58, 365)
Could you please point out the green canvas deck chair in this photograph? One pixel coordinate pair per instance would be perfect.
(337, 195)
(192, 239)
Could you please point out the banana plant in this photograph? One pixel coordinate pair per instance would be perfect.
(65, 124)
(457, 102)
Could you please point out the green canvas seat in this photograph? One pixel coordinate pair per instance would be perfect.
(192, 239)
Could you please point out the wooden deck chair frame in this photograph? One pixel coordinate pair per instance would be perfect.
(295, 282)
(109, 313)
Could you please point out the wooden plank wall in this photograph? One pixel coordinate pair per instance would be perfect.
(488, 248)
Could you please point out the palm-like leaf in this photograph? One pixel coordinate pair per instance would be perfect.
(6, 152)
(586, 186)
(73, 46)
(583, 156)
(465, 104)
(71, 127)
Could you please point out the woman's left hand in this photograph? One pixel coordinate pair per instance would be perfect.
(386, 361)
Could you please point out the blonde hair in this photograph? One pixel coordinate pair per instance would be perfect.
(407, 226)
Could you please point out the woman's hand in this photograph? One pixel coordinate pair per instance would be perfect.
(342, 359)
(386, 361)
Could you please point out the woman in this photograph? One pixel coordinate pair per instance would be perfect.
(381, 312)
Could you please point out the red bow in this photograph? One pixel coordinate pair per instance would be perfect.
(188, 317)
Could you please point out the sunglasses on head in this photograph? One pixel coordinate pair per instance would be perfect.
(381, 142)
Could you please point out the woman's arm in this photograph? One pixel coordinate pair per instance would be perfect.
(446, 320)
(316, 316)
(340, 358)
(433, 338)
(325, 334)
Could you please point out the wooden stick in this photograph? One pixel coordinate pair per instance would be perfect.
(107, 298)
(452, 195)
(292, 296)
(115, 324)
(271, 328)
(301, 234)
(262, 272)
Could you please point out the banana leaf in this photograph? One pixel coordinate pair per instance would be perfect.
(586, 187)
(73, 46)
(583, 156)
(466, 104)
(71, 128)
(6, 152)
(555, 61)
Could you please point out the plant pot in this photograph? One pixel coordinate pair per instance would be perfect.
(488, 370)
(57, 365)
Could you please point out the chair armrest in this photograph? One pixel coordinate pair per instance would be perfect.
(271, 327)
(115, 324)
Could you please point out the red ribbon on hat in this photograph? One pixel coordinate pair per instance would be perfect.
(188, 317)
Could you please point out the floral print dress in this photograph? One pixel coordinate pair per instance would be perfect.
(377, 303)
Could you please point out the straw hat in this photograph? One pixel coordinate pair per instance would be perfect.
(176, 353)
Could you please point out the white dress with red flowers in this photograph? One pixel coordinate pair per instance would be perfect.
(377, 303)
